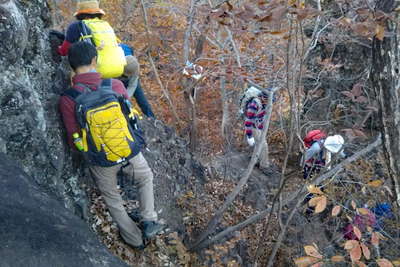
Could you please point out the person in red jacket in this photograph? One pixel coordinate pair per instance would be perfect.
(82, 58)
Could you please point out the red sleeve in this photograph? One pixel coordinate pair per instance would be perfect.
(67, 109)
(119, 88)
(63, 49)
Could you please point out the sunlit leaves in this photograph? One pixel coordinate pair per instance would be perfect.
(319, 203)
(312, 251)
(305, 261)
(384, 263)
(375, 183)
(336, 210)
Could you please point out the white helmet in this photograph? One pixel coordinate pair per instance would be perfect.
(334, 143)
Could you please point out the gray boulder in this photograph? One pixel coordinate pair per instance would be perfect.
(38, 231)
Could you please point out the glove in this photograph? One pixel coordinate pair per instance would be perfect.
(251, 141)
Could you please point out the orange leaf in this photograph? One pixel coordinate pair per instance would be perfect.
(374, 239)
(337, 258)
(305, 261)
(396, 263)
(313, 202)
(314, 190)
(384, 263)
(350, 244)
(357, 232)
(336, 210)
(353, 204)
(375, 183)
(321, 205)
(363, 211)
(355, 253)
(379, 32)
(312, 251)
(360, 264)
(366, 252)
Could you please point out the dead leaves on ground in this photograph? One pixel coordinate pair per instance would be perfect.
(319, 203)
(306, 261)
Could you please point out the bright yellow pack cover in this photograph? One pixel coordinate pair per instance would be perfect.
(109, 131)
(111, 59)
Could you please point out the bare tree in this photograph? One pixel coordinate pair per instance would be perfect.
(385, 78)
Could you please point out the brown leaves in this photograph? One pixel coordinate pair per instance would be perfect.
(357, 232)
(353, 204)
(337, 258)
(384, 263)
(374, 239)
(366, 252)
(375, 183)
(336, 210)
(312, 251)
(319, 203)
(379, 32)
(363, 211)
(314, 190)
(276, 14)
(356, 94)
(350, 244)
(309, 12)
(354, 248)
(365, 29)
(305, 261)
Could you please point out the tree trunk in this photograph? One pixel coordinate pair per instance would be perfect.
(385, 79)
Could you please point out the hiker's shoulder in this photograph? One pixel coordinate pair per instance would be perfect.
(118, 86)
(74, 25)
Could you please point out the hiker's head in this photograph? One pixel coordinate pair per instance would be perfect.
(264, 97)
(88, 16)
(132, 67)
(82, 55)
(89, 8)
(334, 143)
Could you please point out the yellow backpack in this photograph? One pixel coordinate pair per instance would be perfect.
(111, 58)
(108, 126)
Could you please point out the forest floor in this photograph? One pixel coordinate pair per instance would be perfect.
(363, 184)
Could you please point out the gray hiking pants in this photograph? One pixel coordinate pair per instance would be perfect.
(264, 149)
(106, 179)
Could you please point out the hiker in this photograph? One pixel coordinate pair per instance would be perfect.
(99, 128)
(114, 60)
(319, 149)
(254, 104)
(130, 78)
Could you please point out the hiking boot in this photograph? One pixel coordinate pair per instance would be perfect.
(135, 215)
(151, 228)
(140, 248)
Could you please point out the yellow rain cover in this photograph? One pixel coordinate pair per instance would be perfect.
(109, 130)
(111, 58)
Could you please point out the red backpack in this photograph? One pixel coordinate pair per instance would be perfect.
(313, 136)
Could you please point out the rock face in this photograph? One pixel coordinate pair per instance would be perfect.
(29, 87)
(37, 230)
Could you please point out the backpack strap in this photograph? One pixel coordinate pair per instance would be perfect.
(106, 85)
(85, 35)
(72, 93)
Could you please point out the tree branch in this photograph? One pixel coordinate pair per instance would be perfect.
(164, 90)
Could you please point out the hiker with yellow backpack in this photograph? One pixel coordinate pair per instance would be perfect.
(115, 60)
(100, 123)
